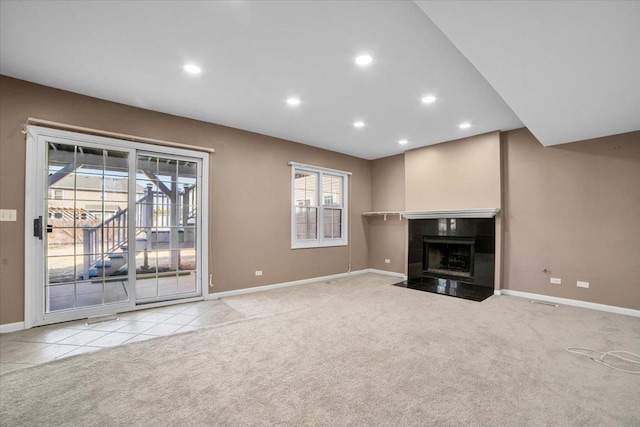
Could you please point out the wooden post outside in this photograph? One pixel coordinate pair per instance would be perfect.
(148, 224)
(87, 247)
(173, 224)
(185, 206)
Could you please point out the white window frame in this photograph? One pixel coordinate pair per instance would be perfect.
(320, 241)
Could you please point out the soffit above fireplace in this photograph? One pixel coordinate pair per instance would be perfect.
(450, 213)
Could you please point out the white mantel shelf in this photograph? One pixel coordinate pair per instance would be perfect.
(451, 213)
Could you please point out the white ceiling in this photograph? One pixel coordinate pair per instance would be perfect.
(569, 69)
(256, 54)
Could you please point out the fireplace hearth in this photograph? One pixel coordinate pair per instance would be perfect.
(452, 256)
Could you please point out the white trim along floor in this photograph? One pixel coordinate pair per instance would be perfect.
(23, 348)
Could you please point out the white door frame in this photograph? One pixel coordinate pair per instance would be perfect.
(34, 314)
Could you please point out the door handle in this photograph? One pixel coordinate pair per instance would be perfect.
(37, 227)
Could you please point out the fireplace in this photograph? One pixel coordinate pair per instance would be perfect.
(452, 256)
(443, 256)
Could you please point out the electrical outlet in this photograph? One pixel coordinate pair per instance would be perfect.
(582, 284)
(387, 261)
(8, 215)
(258, 272)
(555, 280)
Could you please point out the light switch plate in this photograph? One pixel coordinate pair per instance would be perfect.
(8, 215)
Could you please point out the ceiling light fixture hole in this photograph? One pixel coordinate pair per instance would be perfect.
(429, 99)
(364, 60)
(192, 69)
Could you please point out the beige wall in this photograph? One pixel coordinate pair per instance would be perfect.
(249, 175)
(388, 238)
(573, 209)
(387, 184)
(460, 174)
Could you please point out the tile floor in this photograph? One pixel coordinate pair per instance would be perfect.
(46, 343)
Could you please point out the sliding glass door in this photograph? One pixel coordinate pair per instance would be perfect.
(115, 225)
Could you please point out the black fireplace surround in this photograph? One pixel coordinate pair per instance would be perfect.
(452, 256)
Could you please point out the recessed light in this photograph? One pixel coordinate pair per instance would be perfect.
(192, 69)
(358, 124)
(364, 60)
(428, 99)
(403, 142)
(465, 125)
(293, 101)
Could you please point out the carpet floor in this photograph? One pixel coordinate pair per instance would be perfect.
(353, 351)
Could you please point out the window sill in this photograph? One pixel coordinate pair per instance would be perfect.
(315, 244)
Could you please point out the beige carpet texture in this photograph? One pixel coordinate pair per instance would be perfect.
(349, 352)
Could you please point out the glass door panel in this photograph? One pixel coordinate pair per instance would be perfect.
(166, 228)
(87, 201)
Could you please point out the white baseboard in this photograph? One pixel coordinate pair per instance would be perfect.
(385, 272)
(497, 292)
(11, 327)
(572, 302)
(216, 295)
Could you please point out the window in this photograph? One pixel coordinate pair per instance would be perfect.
(56, 194)
(319, 207)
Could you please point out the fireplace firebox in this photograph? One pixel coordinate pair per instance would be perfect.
(446, 256)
